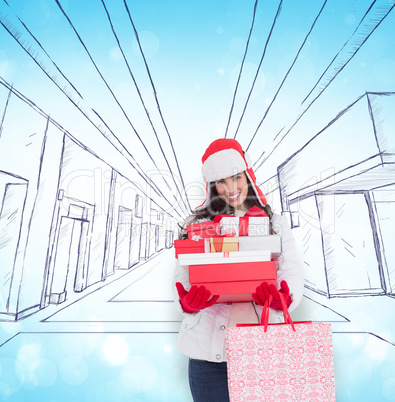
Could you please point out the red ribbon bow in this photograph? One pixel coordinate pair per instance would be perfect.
(255, 211)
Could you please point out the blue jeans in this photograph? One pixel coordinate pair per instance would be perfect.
(208, 381)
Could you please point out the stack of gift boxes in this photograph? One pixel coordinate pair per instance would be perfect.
(230, 256)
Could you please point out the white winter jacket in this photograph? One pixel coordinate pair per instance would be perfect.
(202, 334)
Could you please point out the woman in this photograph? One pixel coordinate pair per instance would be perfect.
(231, 189)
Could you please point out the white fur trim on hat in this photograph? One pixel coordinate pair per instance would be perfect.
(247, 157)
(222, 164)
(256, 191)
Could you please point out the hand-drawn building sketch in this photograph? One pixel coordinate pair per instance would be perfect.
(68, 219)
(335, 194)
(105, 110)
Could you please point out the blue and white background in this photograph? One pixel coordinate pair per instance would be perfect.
(106, 108)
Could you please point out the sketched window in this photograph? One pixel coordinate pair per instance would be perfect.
(139, 206)
(157, 215)
(169, 239)
(157, 247)
(295, 222)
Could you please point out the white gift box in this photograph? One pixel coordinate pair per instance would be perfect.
(223, 257)
(270, 242)
(245, 226)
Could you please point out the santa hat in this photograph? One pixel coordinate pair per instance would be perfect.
(223, 158)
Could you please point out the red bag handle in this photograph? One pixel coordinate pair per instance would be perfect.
(265, 313)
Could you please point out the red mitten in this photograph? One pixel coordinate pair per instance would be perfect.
(196, 299)
(264, 290)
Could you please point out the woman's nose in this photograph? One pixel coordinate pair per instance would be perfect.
(231, 187)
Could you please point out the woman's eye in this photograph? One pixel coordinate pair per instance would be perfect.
(220, 182)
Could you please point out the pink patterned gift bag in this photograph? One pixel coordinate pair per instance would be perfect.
(280, 362)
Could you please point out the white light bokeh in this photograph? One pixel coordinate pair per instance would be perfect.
(115, 350)
(376, 349)
(115, 54)
(41, 373)
(149, 43)
(11, 377)
(73, 370)
(139, 374)
(167, 348)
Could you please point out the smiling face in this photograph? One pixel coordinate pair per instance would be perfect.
(233, 190)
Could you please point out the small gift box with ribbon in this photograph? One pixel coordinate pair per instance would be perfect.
(223, 244)
(254, 223)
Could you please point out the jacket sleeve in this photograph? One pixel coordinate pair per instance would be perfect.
(290, 264)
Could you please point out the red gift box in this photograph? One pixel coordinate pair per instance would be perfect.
(203, 230)
(189, 246)
(234, 282)
(213, 245)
